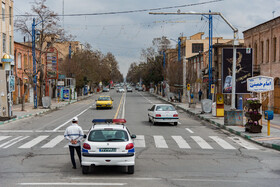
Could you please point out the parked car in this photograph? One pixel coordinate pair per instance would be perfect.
(163, 113)
(140, 88)
(105, 89)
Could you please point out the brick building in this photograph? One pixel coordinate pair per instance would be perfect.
(265, 41)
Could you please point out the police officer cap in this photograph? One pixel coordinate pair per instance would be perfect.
(75, 119)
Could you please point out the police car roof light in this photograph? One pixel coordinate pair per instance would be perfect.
(116, 121)
(102, 121)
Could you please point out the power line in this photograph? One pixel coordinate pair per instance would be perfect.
(130, 11)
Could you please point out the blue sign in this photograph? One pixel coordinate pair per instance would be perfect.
(66, 94)
(268, 115)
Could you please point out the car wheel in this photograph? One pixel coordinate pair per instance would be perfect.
(154, 123)
(85, 169)
(175, 123)
(130, 169)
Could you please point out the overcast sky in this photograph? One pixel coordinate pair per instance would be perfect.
(126, 34)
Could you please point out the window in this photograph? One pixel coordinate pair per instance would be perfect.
(3, 11)
(19, 61)
(267, 51)
(10, 15)
(25, 61)
(274, 49)
(197, 47)
(108, 135)
(4, 42)
(262, 51)
(10, 45)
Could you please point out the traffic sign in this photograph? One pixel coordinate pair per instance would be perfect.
(212, 88)
(188, 86)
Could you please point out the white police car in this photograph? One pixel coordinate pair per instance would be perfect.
(108, 143)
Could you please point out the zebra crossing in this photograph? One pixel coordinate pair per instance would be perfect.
(158, 141)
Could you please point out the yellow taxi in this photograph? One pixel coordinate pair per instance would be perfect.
(104, 102)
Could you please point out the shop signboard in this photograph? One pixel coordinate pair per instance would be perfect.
(51, 63)
(244, 69)
(66, 94)
(260, 84)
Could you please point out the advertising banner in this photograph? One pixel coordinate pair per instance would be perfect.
(244, 69)
(51, 63)
(66, 94)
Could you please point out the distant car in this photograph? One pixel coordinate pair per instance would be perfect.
(105, 89)
(104, 102)
(163, 113)
(136, 87)
(108, 144)
(121, 90)
(140, 88)
(129, 89)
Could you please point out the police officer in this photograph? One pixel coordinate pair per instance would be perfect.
(74, 134)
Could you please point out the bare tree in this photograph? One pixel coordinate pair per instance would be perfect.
(49, 31)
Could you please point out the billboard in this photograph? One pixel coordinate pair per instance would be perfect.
(244, 69)
(51, 63)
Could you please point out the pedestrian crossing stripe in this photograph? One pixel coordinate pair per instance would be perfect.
(139, 142)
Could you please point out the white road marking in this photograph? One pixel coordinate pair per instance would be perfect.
(70, 120)
(12, 140)
(202, 143)
(181, 142)
(222, 142)
(53, 142)
(114, 178)
(16, 142)
(160, 142)
(4, 137)
(145, 98)
(16, 131)
(72, 184)
(139, 141)
(123, 112)
(66, 146)
(243, 143)
(190, 131)
(179, 123)
(33, 142)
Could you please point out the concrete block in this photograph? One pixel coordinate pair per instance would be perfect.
(233, 117)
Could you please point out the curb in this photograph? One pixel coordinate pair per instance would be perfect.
(41, 112)
(222, 126)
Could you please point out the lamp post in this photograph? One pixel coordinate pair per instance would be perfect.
(235, 43)
(34, 60)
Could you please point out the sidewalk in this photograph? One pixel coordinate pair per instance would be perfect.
(272, 141)
(30, 111)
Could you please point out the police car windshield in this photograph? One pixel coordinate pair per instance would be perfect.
(108, 135)
(104, 99)
(165, 108)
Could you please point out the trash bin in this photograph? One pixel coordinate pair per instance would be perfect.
(206, 105)
(46, 102)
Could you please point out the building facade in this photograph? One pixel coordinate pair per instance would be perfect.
(7, 28)
(265, 41)
(23, 69)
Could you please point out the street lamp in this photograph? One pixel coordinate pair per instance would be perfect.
(235, 43)
(34, 61)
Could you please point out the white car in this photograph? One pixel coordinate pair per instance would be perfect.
(163, 113)
(121, 90)
(108, 143)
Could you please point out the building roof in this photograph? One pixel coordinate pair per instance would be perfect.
(262, 23)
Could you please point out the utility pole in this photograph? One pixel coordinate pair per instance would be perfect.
(34, 64)
(184, 98)
(235, 43)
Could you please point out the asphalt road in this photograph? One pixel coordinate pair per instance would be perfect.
(194, 153)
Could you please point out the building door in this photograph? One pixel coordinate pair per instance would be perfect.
(277, 96)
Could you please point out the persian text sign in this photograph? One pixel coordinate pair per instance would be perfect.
(51, 62)
(260, 84)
